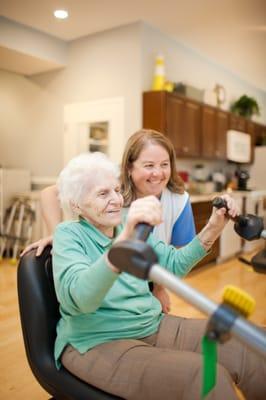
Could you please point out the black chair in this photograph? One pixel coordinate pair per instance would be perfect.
(39, 314)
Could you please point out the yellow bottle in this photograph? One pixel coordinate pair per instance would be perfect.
(159, 74)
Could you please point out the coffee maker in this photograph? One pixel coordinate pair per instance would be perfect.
(242, 176)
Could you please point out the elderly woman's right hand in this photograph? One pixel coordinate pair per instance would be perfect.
(39, 245)
(146, 209)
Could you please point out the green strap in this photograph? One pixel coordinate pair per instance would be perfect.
(209, 351)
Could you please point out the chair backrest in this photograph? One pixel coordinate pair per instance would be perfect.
(39, 314)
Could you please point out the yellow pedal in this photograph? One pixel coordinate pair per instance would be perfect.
(239, 300)
(13, 261)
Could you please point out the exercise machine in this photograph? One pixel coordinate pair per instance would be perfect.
(136, 257)
(249, 227)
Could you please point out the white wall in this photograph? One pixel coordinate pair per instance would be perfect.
(114, 63)
(188, 66)
(100, 66)
(24, 140)
(22, 39)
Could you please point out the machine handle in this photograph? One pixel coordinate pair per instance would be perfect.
(242, 220)
(142, 231)
(218, 202)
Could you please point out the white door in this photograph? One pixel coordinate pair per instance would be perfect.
(94, 126)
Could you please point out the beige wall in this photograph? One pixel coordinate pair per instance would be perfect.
(100, 66)
(185, 65)
(25, 139)
(114, 63)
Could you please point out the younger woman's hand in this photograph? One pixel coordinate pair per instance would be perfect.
(161, 294)
(217, 222)
(39, 245)
(220, 216)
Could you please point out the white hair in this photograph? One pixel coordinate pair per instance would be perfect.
(78, 177)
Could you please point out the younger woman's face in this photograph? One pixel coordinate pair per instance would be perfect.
(102, 205)
(151, 172)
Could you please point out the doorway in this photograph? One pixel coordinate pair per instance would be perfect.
(94, 126)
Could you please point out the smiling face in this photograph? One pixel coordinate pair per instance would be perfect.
(151, 171)
(102, 205)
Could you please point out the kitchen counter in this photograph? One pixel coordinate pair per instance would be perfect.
(254, 194)
(249, 202)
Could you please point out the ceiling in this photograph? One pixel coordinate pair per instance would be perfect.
(231, 33)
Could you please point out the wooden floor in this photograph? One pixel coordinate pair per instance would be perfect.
(16, 379)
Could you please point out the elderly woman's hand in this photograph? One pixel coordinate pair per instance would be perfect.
(146, 209)
(39, 245)
(217, 222)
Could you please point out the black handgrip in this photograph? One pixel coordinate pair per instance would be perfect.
(218, 202)
(142, 231)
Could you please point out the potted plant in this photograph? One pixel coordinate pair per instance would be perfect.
(245, 106)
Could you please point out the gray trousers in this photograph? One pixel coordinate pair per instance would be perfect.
(168, 365)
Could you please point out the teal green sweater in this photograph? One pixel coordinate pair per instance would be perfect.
(98, 305)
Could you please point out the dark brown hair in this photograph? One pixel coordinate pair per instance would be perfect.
(134, 146)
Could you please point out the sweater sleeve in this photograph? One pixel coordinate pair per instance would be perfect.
(179, 261)
(81, 281)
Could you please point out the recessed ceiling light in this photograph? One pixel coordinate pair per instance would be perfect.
(61, 14)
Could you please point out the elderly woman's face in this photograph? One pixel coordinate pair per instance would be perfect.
(102, 206)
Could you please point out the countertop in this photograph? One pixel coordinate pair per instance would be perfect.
(197, 198)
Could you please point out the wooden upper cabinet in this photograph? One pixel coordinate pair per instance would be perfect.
(177, 117)
(214, 131)
(259, 134)
(154, 111)
(191, 135)
(222, 124)
(183, 125)
(195, 129)
(175, 121)
(237, 123)
(208, 147)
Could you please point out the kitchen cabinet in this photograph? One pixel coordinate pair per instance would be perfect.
(195, 129)
(237, 123)
(202, 211)
(177, 117)
(222, 121)
(259, 134)
(214, 129)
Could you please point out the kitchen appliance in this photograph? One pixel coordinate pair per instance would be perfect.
(238, 146)
(189, 91)
(200, 173)
(242, 176)
(219, 180)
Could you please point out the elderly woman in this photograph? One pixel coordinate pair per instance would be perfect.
(112, 332)
(148, 168)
